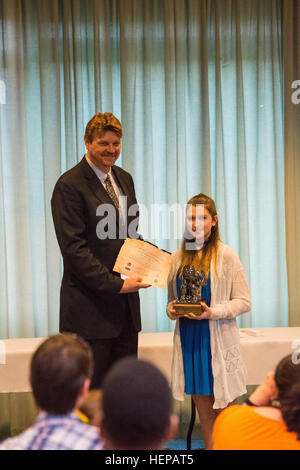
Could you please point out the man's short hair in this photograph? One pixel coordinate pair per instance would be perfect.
(100, 123)
(136, 403)
(58, 370)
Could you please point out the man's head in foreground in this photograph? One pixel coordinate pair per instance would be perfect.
(136, 407)
(60, 373)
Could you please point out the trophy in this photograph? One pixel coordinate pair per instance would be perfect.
(192, 282)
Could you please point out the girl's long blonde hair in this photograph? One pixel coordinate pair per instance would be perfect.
(210, 247)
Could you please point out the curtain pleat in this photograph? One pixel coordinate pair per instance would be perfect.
(198, 87)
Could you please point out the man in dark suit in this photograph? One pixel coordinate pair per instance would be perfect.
(90, 214)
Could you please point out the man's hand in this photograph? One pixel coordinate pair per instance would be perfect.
(133, 285)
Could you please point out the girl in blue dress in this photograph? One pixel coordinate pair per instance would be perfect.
(206, 347)
(194, 334)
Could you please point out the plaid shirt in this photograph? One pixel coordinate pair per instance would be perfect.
(51, 432)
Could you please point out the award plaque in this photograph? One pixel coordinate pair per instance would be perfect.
(192, 282)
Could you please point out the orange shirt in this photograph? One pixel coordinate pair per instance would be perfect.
(242, 428)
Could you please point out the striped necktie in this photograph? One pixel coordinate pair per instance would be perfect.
(111, 192)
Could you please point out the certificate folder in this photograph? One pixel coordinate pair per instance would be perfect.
(138, 258)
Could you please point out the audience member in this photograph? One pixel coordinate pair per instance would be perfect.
(136, 407)
(60, 373)
(261, 423)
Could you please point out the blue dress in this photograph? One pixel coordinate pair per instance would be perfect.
(196, 351)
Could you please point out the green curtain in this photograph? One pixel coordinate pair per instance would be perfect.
(198, 86)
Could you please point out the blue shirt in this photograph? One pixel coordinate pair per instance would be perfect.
(56, 432)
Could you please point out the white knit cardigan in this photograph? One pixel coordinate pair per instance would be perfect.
(230, 297)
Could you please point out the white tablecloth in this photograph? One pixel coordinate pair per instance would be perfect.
(261, 354)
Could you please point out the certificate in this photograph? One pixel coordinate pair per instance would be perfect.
(141, 259)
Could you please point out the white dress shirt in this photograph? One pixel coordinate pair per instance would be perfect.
(102, 177)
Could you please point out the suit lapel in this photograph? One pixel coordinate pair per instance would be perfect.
(120, 180)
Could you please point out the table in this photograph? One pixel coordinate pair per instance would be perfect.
(261, 354)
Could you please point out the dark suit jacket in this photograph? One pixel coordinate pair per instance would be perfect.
(90, 303)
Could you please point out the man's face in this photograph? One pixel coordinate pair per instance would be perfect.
(104, 150)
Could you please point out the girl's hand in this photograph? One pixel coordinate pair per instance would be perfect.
(269, 385)
(171, 307)
(204, 315)
(265, 392)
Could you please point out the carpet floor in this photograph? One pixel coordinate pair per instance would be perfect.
(180, 444)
